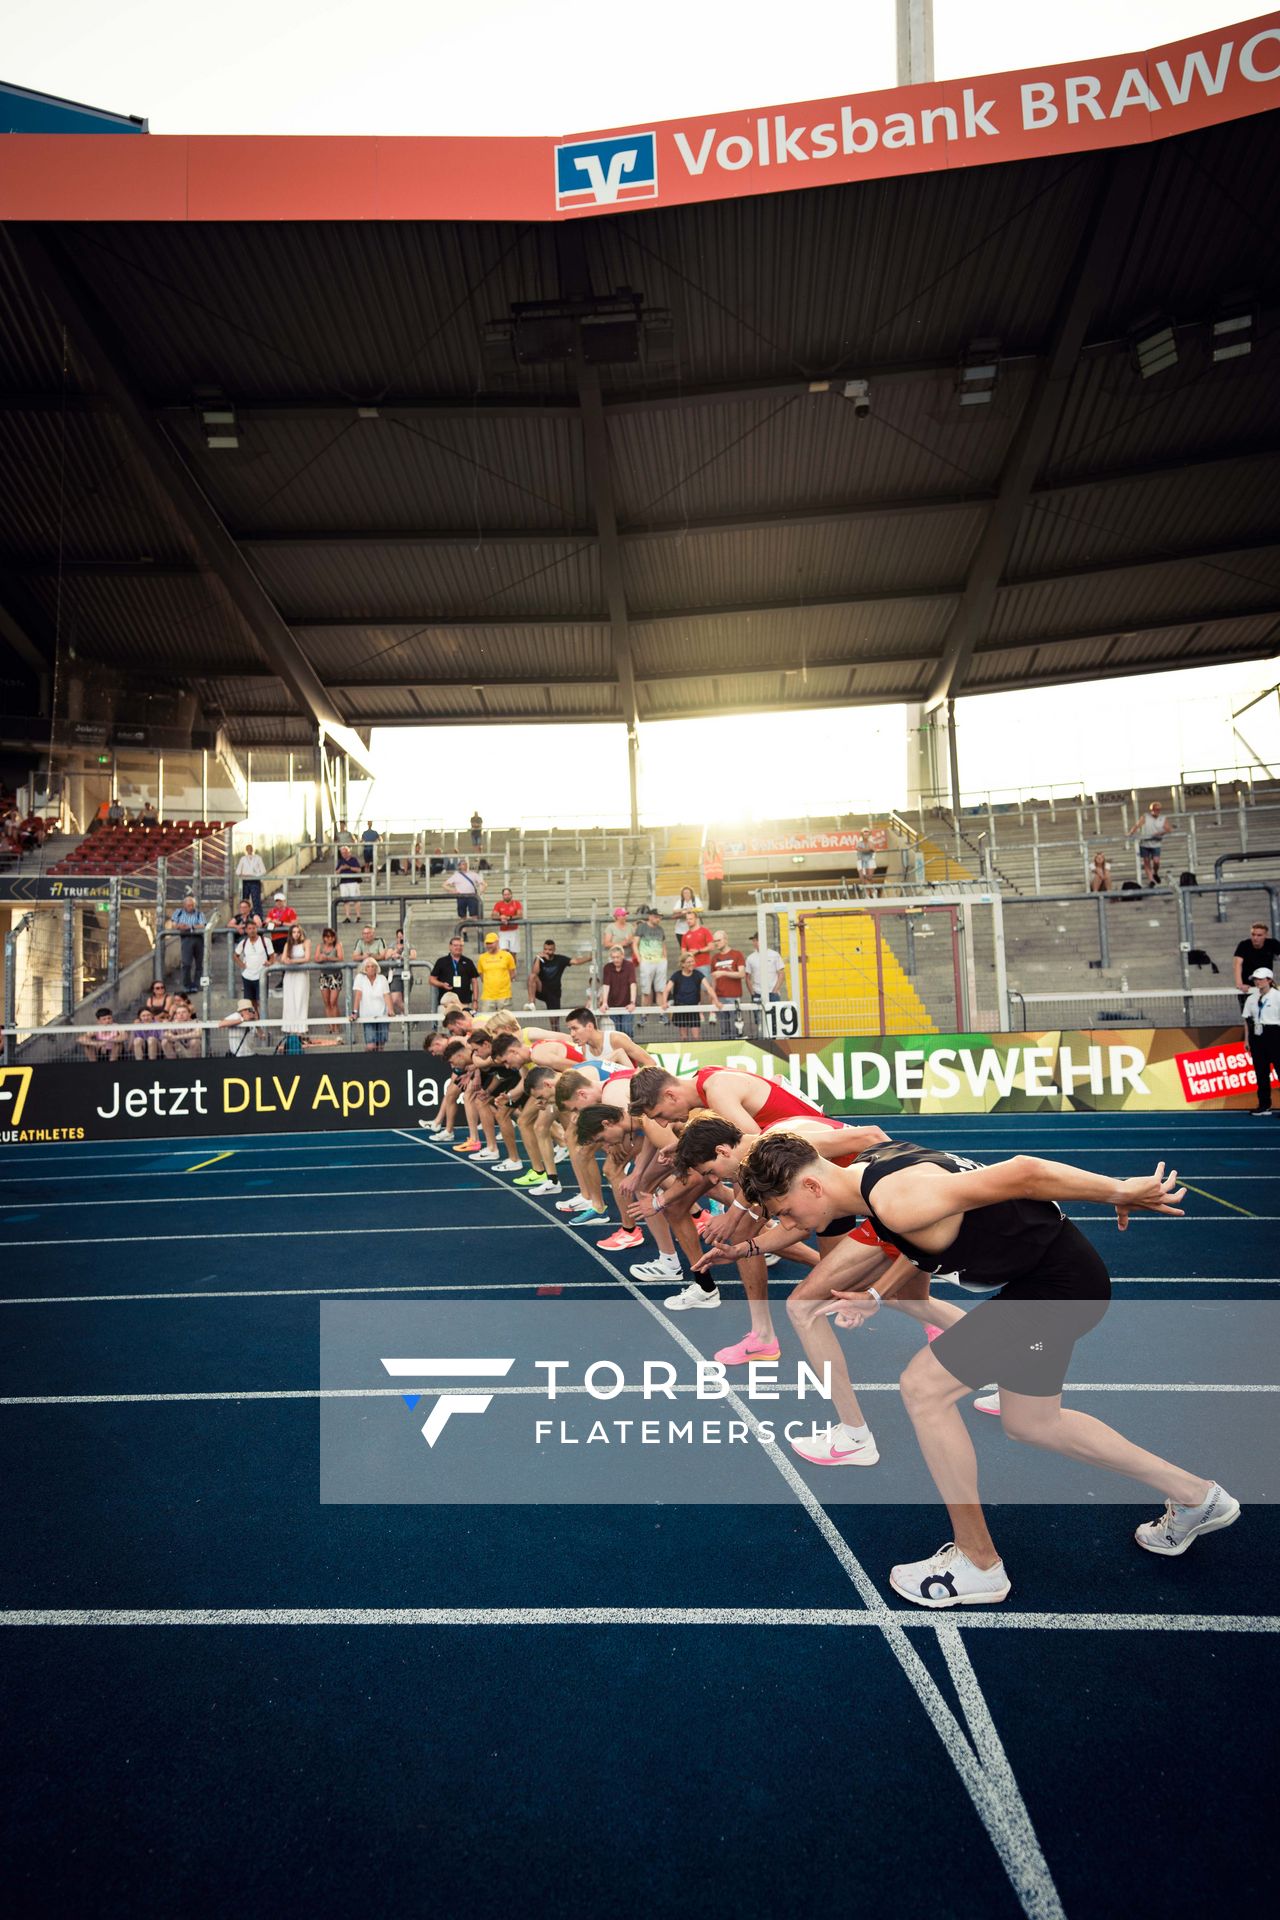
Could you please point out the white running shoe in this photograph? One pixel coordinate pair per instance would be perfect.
(441, 1133)
(691, 1296)
(660, 1268)
(486, 1153)
(950, 1579)
(771, 1259)
(1177, 1526)
(547, 1187)
(562, 1153)
(509, 1166)
(576, 1203)
(988, 1401)
(838, 1446)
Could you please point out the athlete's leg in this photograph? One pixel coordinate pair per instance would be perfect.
(529, 1118)
(754, 1276)
(1043, 1421)
(507, 1129)
(680, 1197)
(930, 1394)
(844, 1263)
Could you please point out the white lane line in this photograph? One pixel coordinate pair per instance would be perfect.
(841, 1618)
(778, 1290)
(177, 1173)
(384, 1393)
(992, 1788)
(239, 1199)
(275, 1233)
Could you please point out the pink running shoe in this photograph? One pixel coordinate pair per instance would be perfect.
(620, 1241)
(755, 1347)
(469, 1146)
(838, 1448)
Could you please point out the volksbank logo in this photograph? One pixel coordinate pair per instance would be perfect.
(603, 173)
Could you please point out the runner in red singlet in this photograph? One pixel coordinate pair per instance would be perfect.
(715, 1149)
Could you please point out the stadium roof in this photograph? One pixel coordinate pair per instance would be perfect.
(623, 467)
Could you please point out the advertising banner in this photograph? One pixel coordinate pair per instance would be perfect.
(1120, 100)
(1151, 1070)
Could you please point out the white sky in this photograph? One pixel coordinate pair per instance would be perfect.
(553, 66)
(525, 66)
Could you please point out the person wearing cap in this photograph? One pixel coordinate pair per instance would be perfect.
(1262, 1033)
(495, 967)
(244, 1024)
(279, 920)
(618, 932)
(190, 923)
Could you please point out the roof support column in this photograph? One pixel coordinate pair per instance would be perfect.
(1090, 277)
(595, 436)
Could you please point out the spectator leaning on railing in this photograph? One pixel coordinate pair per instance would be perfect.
(688, 989)
(372, 1006)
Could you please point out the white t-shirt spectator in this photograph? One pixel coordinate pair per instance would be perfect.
(250, 867)
(462, 885)
(764, 973)
(254, 954)
(373, 997)
(1152, 828)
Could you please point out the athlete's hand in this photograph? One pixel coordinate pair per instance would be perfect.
(716, 1228)
(1150, 1193)
(644, 1206)
(627, 1186)
(857, 1307)
(719, 1256)
(665, 1156)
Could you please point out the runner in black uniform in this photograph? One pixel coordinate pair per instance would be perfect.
(1000, 1228)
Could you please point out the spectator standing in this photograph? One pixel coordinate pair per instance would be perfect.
(279, 921)
(250, 871)
(148, 817)
(618, 989)
(685, 905)
(618, 932)
(348, 869)
(466, 888)
(1259, 950)
(865, 855)
(296, 996)
(547, 978)
(455, 972)
(651, 957)
(766, 971)
(369, 946)
(252, 956)
(115, 813)
(244, 917)
(1100, 874)
(395, 964)
(1151, 830)
(329, 955)
(507, 911)
(696, 939)
(369, 846)
(1262, 1033)
(496, 967)
(190, 923)
(372, 1006)
(477, 833)
(728, 972)
(688, 989)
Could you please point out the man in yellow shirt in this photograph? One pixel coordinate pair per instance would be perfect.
(496, 967)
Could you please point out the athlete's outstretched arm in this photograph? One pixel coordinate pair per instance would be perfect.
(921, 1196)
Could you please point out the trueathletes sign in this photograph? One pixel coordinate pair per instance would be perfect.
(1119, 101)
(1164, 1069)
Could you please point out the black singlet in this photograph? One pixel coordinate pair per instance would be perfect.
(995, 1244)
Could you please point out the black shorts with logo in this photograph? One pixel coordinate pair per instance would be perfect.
(1024, 1335)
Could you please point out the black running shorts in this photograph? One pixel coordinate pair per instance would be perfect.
(1023, 1337)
